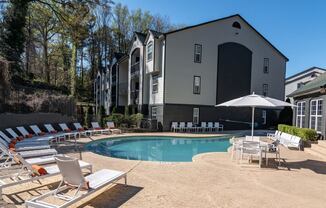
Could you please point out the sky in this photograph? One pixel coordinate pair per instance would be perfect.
(296, 27)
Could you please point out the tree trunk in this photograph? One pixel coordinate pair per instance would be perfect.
(73, 70)
(46, 61)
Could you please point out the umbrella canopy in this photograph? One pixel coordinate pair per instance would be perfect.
(255, 101)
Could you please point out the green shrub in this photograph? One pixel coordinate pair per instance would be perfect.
(135, 119)
(304, 133)
(117, 118)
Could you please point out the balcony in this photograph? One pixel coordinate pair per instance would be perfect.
(135, 68)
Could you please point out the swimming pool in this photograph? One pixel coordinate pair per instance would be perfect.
(158, 148)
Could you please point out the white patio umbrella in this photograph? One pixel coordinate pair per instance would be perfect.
(255, 101)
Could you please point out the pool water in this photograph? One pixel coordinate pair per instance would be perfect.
(158, 148)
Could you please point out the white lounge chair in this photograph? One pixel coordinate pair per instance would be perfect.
(96, 127)
(112, 128)
(37, 131)
(27, 146)
(210, 126)
(27, 174)
(11, 158)
(82, 131)
(72, 175)
(25, 142)
(274, 136)
(34, 153)
(69, 132)
(29, 136)
(182, 126)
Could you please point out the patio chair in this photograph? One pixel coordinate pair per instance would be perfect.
(37, 131)
(273, 148)
(174, 126)
(251, 149)
(96, 127)
(203, 126)
(218, 126)
(182, 126)
(29, 173)
(82, 130)
(73, 179)
(210, 126)
(112, 128)
(274, 136)
(189, 127)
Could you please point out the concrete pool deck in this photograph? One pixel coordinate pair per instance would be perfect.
(211, 180)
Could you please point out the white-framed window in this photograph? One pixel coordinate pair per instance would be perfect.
(197, 53)
(150, 51)
(265, 89)
(154, 84)
(300, 120)
(197, 83)
(264, 116)
(316, 114)
(195, 116)
(154, 112)
(266, 65)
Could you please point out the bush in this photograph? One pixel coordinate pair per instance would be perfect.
(135, 119)
(304, 133)
(117, 118)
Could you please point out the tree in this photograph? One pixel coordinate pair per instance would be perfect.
(13, 37)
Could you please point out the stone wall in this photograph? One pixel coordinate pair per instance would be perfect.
(13, 120)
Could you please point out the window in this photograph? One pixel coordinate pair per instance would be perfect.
(195, 116)
(196, 84)
(154, 84)
(154, 112)
(300, 121)
(236, 25)
(265, 89)
(264, 116)
(197, 56)
(316, 111)
(150, 51)
(300, 84)
(266, 65)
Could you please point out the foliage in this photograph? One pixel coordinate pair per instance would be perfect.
(304, 133)
(89, 116)
(67, 42)
(13, 38)
(102, 116)
(135, 119)
(119, 119)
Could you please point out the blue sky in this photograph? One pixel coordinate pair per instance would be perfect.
(296, 27)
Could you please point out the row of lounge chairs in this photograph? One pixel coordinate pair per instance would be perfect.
(32, 159)
(190, 127)
(287, 140)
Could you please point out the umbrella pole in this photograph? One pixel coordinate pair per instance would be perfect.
(252, 122)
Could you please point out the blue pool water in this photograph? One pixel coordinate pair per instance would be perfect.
(150, 148)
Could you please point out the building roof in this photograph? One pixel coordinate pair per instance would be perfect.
(141, 36)
(156, 33)
(232, 16)
(304, 72)
(314, 85)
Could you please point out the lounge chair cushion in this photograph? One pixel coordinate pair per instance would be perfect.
(81, 129)
(41, 133)
(67, 130)
(39, 170)
(53, 132)
(20, 138)
(29, 135)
